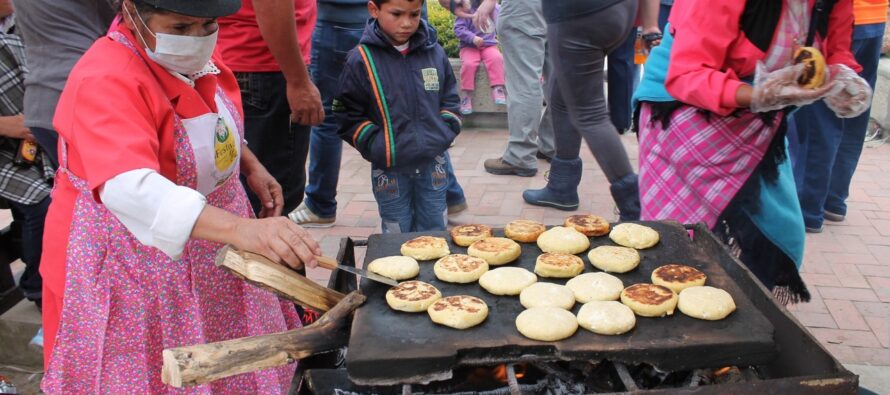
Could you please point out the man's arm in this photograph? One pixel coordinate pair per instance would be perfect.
(483, 14)
(455, 8)
(276, 21)
(649, 20)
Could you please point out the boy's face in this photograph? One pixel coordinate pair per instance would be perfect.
(398, 19)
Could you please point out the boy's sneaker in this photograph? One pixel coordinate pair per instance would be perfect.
(304, 217)
(499, 95)
(466, 105)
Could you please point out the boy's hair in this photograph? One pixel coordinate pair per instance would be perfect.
(379, 3)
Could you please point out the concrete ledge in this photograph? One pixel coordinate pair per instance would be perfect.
(485, 114)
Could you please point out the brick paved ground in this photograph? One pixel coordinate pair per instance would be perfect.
(847, 267)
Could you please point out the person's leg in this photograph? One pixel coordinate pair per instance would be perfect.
(579, 47)
(429, 195)
(454, 195)
(494, 65)
(819, 134)
(280, 146)
(522, 31)
(393, 191)
(331, 42)
(664, 11)
(469, 63)
(32, 217)
(48, 140)
(546, 138)
(867, 51)
(623, 76)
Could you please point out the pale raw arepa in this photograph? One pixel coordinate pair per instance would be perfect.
(547, 323)
(464, 235)
(395, 267)
(547, 295)
(564, 240)
(634, 236)
(589, 225)
(495, 250)
(424, 248)
(557, 265)
(458, 312)
(606, 317)
(598, 286)
(507, 280)
(649, 300)
(678, 277)
(412, 296)
(614, 259)
(460, 268)
(524, 231)
(706, 303)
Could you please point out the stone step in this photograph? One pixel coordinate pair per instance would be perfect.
(17, 327)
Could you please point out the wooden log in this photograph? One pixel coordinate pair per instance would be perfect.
(199, 364)
(262, 272)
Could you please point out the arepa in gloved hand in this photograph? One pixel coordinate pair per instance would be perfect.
(775, 90)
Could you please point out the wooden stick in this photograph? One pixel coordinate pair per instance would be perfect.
(262, 272)
(194, 365)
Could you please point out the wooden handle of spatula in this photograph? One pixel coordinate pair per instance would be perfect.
(326, 262)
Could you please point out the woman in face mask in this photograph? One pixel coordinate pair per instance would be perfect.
(151, 149)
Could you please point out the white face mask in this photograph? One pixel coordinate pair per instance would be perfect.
(181, 54)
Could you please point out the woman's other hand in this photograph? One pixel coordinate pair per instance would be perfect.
(267, 190)
(278, 239)
(854, 95)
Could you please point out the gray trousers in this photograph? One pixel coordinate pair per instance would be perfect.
(522, 32)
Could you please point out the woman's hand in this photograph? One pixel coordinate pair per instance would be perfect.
(14, 127)
(267, 190)
(278, 239)
(853, 98)
(775, 90)
(263, 185)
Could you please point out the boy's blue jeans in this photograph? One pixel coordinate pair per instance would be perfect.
(825, 149)
(412, 199)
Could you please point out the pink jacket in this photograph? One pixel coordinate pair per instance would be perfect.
(710, 51)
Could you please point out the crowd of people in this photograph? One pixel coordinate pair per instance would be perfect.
(138, 137)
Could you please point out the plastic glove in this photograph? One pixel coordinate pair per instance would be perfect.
(854, 95)
(775, 90)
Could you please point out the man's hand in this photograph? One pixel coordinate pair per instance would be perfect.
(278, 239)
(305, 103)
(478, 41)
(14, 127)
(482, 17)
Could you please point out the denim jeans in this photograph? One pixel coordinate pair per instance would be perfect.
(622, 79)
(331, 42)
(31, 217)
(279, 145)
(412, 199)
(825, 149)
(664, 11)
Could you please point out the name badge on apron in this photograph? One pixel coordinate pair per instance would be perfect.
(216, 145)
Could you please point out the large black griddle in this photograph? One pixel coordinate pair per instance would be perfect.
(388, 347)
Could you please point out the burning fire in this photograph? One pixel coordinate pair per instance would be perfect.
(500, 372)
(722, 371)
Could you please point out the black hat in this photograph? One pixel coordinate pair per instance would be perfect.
(198, 8)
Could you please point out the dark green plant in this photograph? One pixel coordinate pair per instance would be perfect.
(443, 21)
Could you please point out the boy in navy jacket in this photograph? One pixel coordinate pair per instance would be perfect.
(398, 107)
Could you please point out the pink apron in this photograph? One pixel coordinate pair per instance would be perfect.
(125, 302)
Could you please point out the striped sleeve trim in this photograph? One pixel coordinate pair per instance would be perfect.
(382, 105)
(450, 115)
(361, 132)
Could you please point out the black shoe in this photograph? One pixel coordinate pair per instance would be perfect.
(540, 155)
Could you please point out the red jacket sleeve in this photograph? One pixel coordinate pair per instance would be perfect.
(704, 31)
(838, 44)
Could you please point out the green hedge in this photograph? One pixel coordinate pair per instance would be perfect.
(443, 21)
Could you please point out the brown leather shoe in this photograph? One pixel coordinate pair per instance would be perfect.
(499, 167)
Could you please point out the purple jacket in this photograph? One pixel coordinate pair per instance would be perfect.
(466, 31)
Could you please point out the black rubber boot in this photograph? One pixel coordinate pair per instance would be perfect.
(626, 192)
(561, 191)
